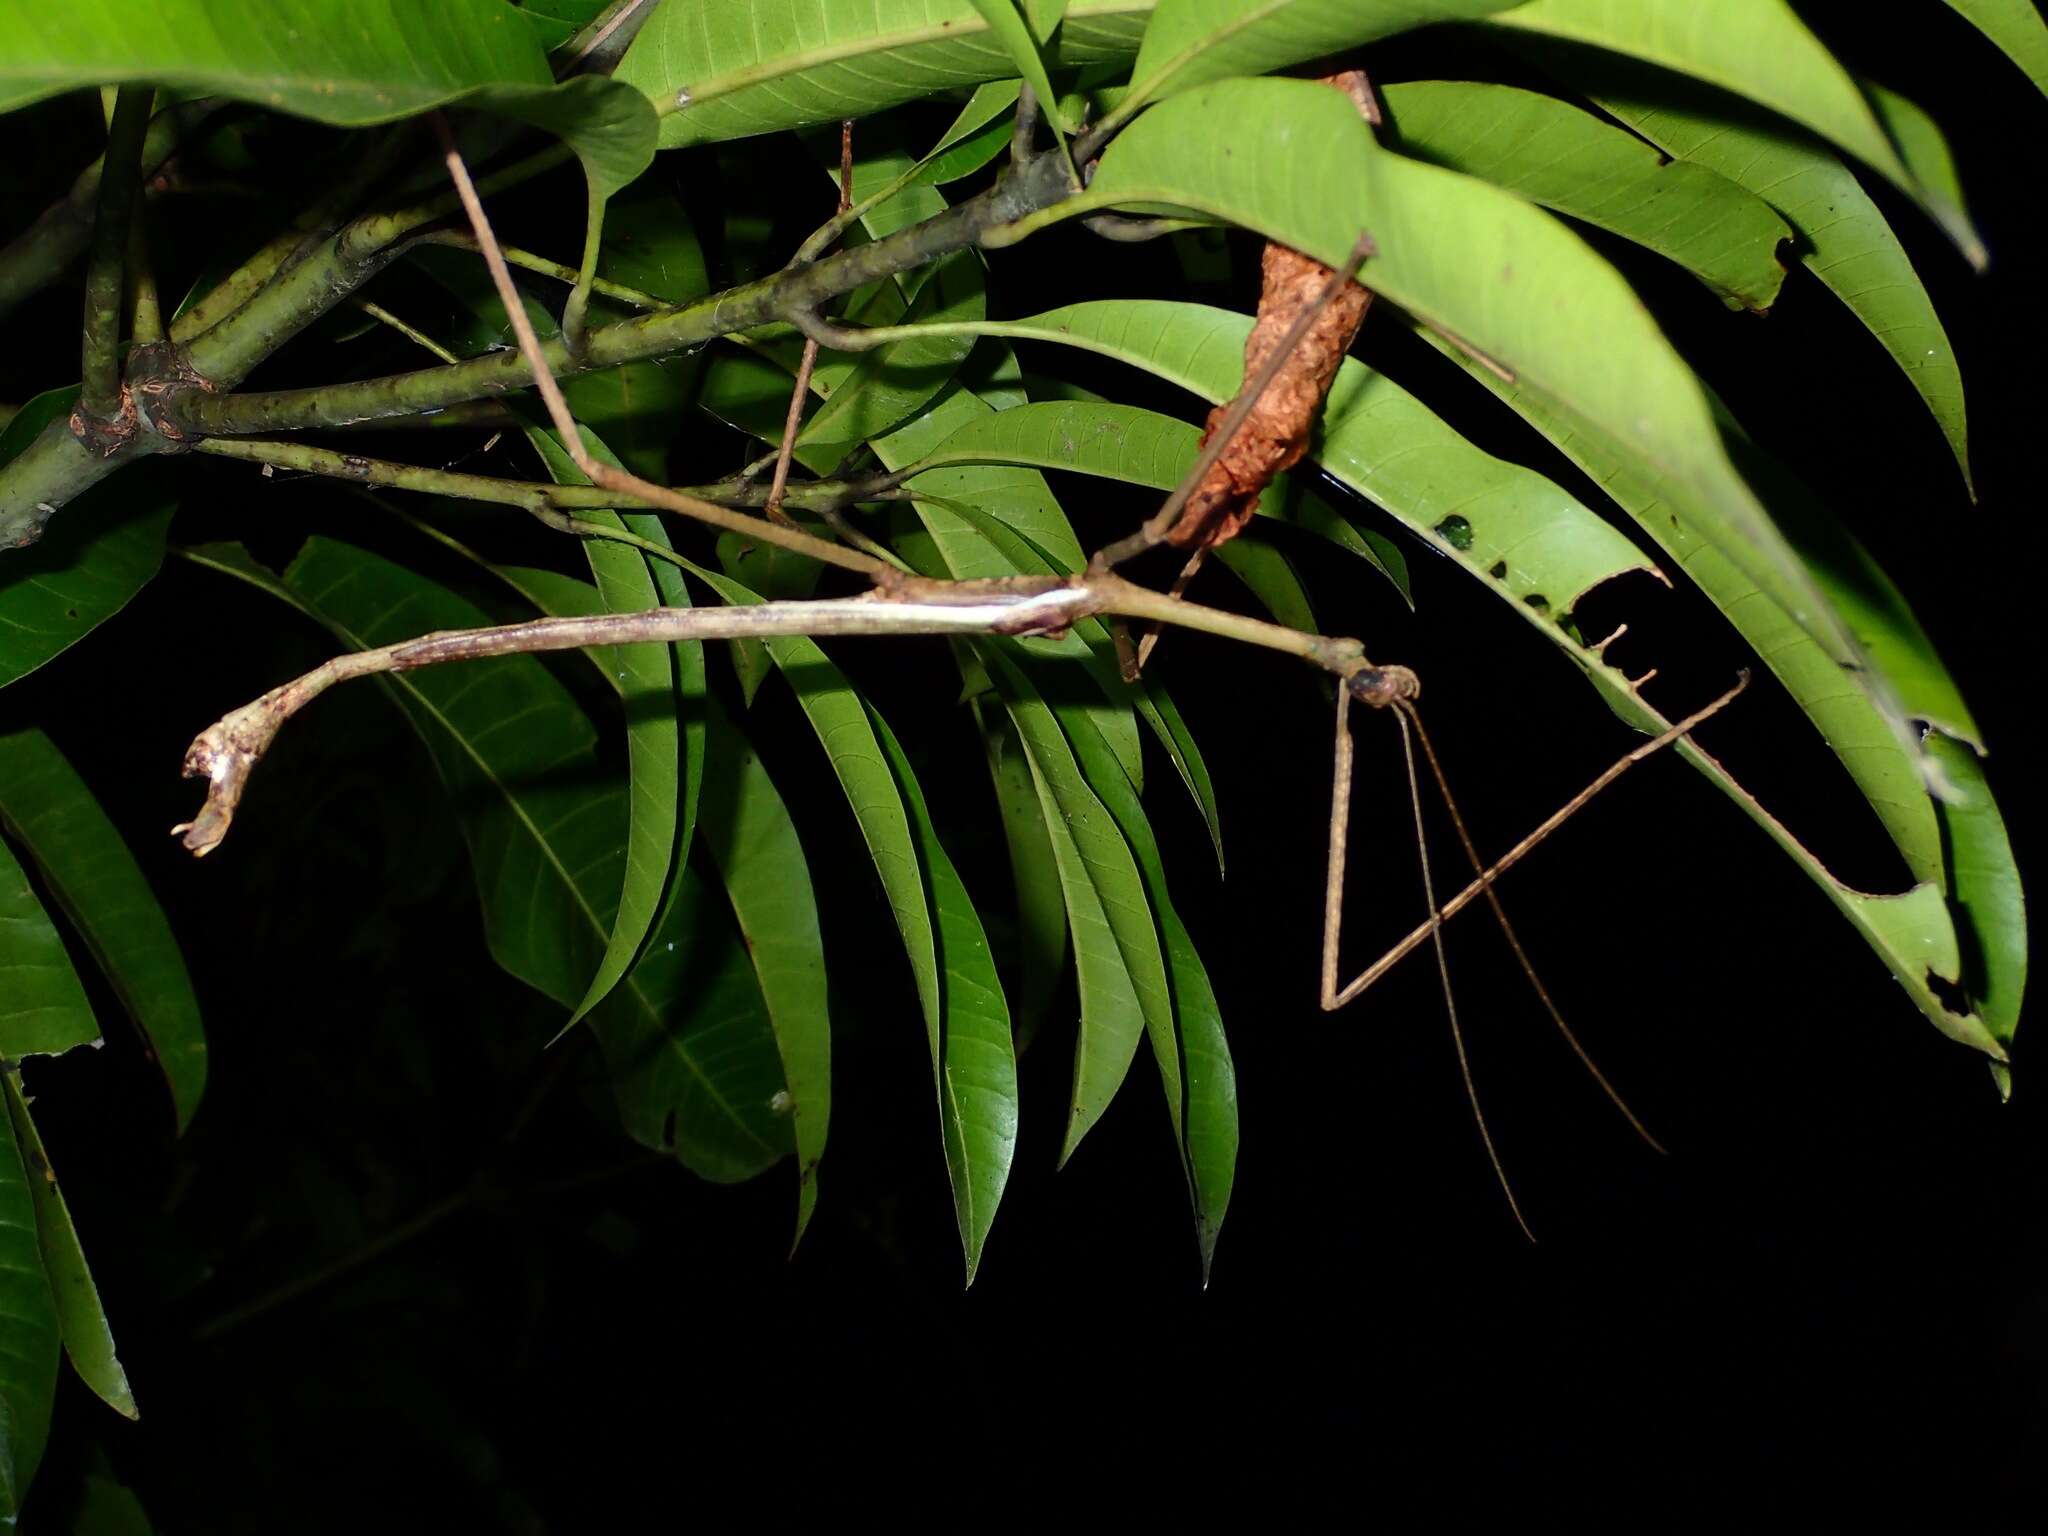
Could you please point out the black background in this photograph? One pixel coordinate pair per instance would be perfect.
(1832, 1290)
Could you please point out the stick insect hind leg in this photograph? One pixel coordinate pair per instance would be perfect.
(1396, 688)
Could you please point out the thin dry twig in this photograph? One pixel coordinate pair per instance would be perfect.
(598, 473)
(797, 396)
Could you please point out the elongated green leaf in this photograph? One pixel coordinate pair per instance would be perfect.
(697, 1075)
(752, 840)
(81, 1320)
(367, 62)
(1123, 979)
(1009, 27)
(1490, 269)
(976, 136)
(98, 555)
(1844, 239)
(1924, 148)
(650, 243)
(694, 1057)
(1192, 42)
(43, 1011)
(1554, 154)
(1886, 773)
(647, 679)
(744, 67)
(1041, 953)
(1756, 48)
(847, 734)
(973, 1062)
(2018, 30)
(1189, 1046)
(28, 1325)
(1985, 895)
(89, 871)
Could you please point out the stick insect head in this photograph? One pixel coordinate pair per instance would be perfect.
(1381, 686)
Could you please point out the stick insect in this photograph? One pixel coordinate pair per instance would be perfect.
(901, 603)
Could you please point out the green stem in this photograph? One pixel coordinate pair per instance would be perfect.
(99, 393)
(56, 467)
(561, 272)
(46, 249)
(779, 296)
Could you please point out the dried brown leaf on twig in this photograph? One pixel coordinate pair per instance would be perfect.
(1276, 433)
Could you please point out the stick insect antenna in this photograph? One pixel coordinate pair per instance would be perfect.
(1404, 716)
(1414, 717)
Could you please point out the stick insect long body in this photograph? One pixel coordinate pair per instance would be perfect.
(902, 604)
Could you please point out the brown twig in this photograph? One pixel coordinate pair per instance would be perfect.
(795, 417)
(600, 474)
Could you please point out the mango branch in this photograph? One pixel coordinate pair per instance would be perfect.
(181, 387)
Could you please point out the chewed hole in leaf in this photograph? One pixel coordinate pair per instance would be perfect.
(1455, 531)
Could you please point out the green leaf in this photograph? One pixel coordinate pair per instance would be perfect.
(1116, 948)
(1844, 239)
(1270, 577)
(1034, 873)
(693, 1055)
(89, 871)
(554, 22)
(743, 67)
(98, 555)
(28, 1322)
(43, 1011)
(1293, 161)
(1188, 1045)
(647, 680)
(698, 1075)
(1885, 771)
(976, 136)
(1570, 161)
(974, 1065)
(1921, 144)
(2018, 30)
(841, 719)
(651, 243)
(1756, 48)
(1192, 42)
(1984, 894)
(370, 61)
(81, 1320)
(612, 130)
(1026, 52)
(750, 836)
